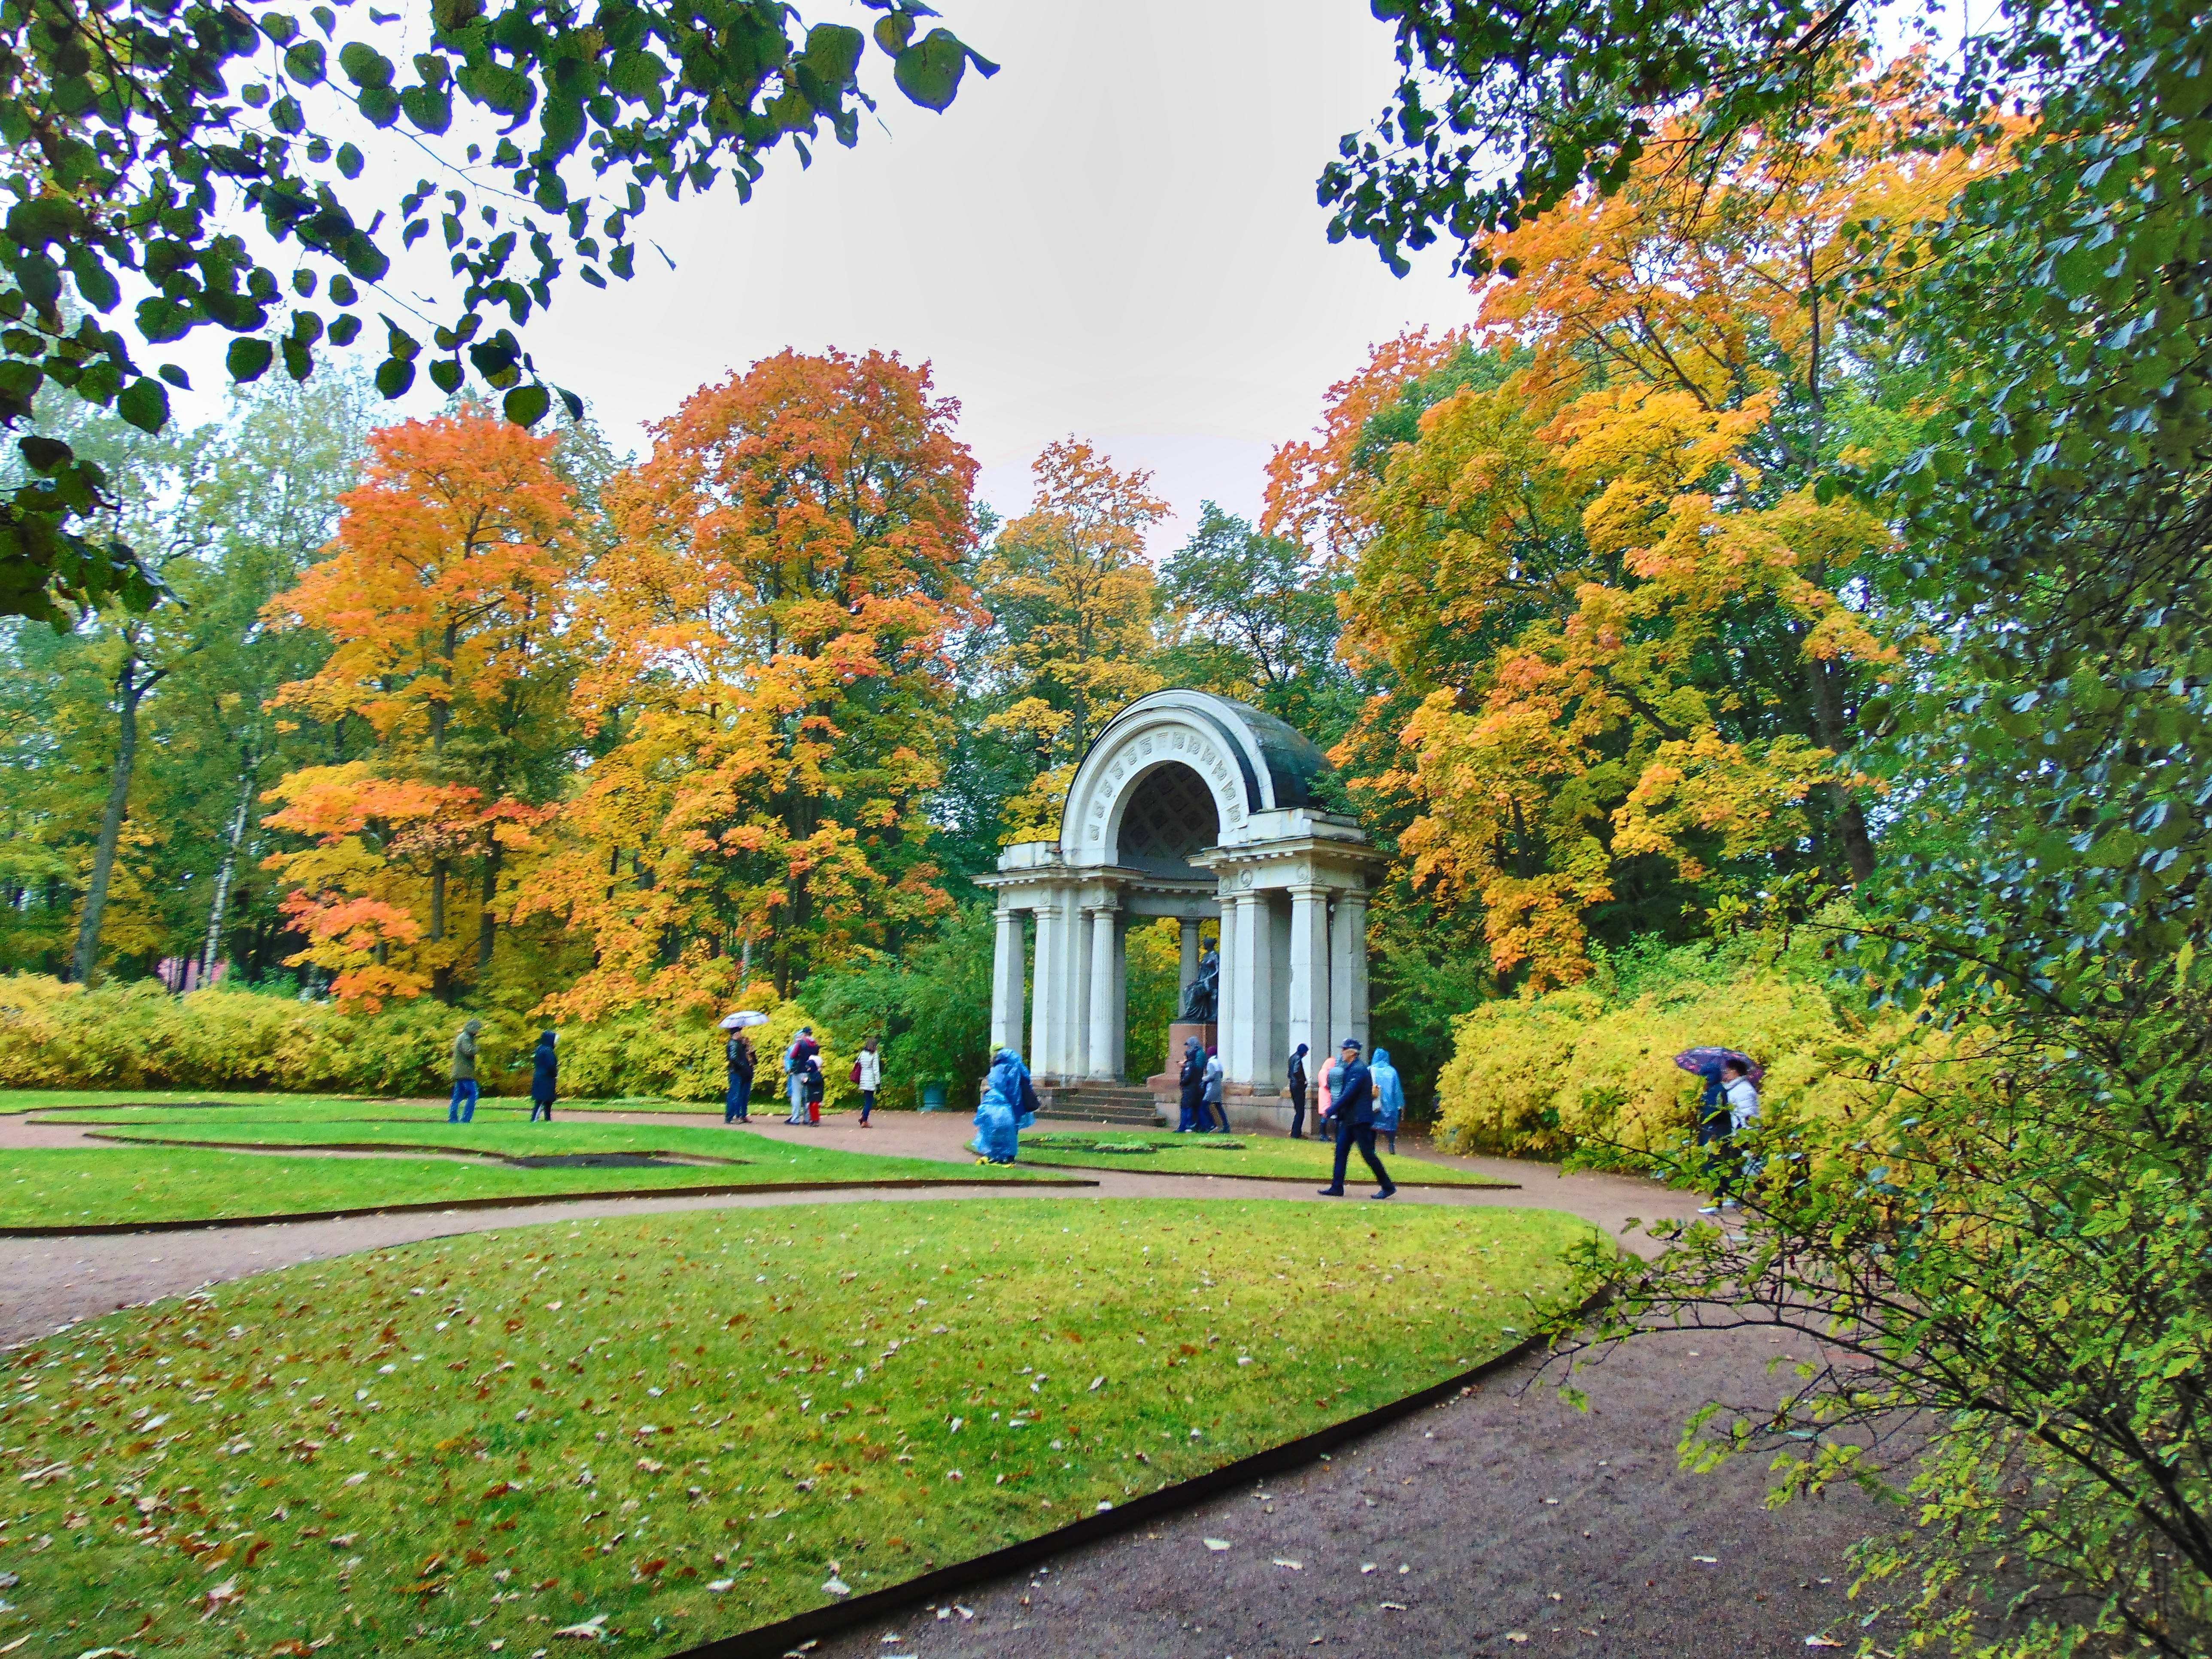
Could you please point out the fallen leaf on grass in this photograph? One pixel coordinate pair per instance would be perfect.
(590, 1631)
(837, 1587)
(719, 1585)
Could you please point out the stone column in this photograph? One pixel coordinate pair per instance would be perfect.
(1224, 1007)
(1351, 1000)
(1190, 955)
(1120, 1052)
(1309, 1022)
(1007, 982)
(1046, 1016)
(1100, 1060)
(1245, 1047)
(1075, 1061)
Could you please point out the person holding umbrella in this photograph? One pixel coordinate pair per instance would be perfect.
(1721, 1070)
(741, 1063)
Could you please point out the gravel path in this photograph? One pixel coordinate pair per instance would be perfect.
(1517, 1517)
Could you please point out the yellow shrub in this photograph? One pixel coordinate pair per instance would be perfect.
(138, 1037)
(1539, 1075)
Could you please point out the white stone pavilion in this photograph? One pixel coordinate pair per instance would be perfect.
(1188, 805)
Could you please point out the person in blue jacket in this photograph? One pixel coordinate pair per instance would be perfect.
(1008, 1106)
(1390, 1097)
(544, 1076)
(1352, 1092)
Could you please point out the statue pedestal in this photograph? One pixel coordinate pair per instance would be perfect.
(1167, 1086)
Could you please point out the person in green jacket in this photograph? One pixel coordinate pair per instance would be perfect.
(463, 1108)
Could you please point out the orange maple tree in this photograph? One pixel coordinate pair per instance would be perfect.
(766, 682)
(444, 599)
(1601, 586)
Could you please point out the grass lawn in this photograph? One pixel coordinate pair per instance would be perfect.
(64, 1187)
(1158, 1152)
(674, 1427)
(231, 1105)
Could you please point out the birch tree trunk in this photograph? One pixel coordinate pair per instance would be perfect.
(131, 689)
(227, 872)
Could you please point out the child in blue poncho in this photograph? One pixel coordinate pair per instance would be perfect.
(1390, 1096)
(1009, 1106)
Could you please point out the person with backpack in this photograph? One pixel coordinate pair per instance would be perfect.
(868, 1072)
(1191, 1080)
(1741, 1095)
(463, 1107)
(739, 1058)
(1298, 1092)
(1008, 1106)
(544, 1076)
(816, 1087)
(795, 1059)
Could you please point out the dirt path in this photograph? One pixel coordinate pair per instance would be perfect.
(1528, 1529)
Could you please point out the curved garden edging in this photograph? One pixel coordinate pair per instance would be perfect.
(776, 1641)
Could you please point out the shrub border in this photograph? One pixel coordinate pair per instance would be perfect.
(780, 1640)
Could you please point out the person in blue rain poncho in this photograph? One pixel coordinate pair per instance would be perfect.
(1389, 1097)
(1009, 1106)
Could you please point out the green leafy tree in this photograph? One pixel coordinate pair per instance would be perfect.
(2009, 1238)
(137, 126)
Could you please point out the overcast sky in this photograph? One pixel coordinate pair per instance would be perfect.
(1116, 237)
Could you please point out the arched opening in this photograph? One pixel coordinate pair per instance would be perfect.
(1169, 814)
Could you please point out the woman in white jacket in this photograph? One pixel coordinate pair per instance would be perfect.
(868, 1072)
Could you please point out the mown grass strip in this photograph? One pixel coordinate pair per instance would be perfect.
(73, 1188)
(1259, 1157)
(683, 1426)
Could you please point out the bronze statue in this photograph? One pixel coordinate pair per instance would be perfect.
(1204, 998)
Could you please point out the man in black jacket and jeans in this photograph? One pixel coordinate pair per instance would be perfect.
(1353, 1105)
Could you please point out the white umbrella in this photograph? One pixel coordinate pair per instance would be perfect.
(742, 1018)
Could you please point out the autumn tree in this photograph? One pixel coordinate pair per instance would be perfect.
(1600, 576)
(767, 683)
(1072, 601)
(444, 599)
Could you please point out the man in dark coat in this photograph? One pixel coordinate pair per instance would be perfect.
(544, 1076)
(1298, 1092)
(1352, 1090)
(739, 1062)
(1192, 1079)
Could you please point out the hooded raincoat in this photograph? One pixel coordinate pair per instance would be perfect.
(1389, 1092)
(1008, 1106)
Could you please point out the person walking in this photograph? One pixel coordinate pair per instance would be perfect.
(740, 1061)
(1210, 1108)
(1298, 1092)
(1192, 1080)
(463, 1107)
(1354, 1112)
(868, 1072)
(1390, 1097)
(544, 1076)
(1743, 1096)
(816, 1087)
(803, 1049)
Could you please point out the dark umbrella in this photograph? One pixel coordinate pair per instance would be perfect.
(1698, 1061)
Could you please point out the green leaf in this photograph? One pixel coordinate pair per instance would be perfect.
(526, 405)
(303, 62)
(364, 65)
(929, 74)
(145, 403)
(248, 360)
(94, 281)
(350, 161)
(833, 51)
(394, 375)
(446, 375)
(381, 105)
